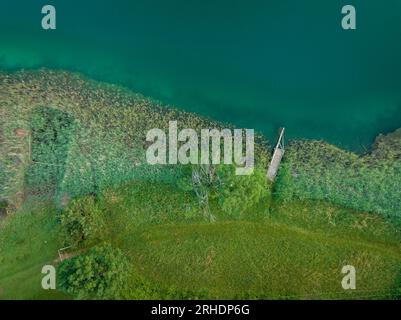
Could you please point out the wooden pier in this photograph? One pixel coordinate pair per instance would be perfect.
(277, 156)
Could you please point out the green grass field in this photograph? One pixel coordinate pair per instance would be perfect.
(28, 241)
(291, 251)
(263, 260)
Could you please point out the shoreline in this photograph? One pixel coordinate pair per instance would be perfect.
(120, 89)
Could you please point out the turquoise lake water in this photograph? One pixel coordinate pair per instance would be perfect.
(257, 64)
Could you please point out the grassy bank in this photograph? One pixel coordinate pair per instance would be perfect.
(263, 260)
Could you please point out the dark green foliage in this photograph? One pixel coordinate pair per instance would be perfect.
(102, 273)
(3, 208)
(83, 221)
(3, 204)
(237, 193)
(283, 188)
(231, 194)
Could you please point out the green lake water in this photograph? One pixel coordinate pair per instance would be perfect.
(257, 64)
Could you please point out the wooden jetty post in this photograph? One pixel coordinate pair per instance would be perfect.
(277, 156)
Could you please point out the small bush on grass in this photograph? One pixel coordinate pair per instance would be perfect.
(102, 273)
(83, 221)
(237, 193)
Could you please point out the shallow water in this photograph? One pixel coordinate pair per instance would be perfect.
(257, 64)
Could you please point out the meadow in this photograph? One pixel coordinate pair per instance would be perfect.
(288, 251)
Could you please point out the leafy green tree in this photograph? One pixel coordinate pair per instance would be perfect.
(235, 193)
(83, 221)
(102, 273)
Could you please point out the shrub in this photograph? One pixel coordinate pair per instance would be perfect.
(283, 188)
(102, 273)
(236, 194)
(232, 193)
(83, 221)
